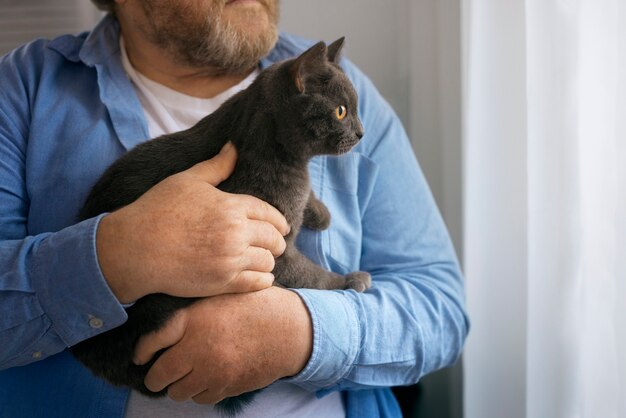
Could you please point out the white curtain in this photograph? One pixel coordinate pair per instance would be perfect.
(545, 208)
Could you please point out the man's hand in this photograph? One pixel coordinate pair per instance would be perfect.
(184, 237)
(227, 345)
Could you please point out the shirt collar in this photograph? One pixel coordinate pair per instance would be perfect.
(93, 47)
(102, 42)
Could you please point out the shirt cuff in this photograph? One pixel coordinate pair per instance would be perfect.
(69, 284)
(336, 340)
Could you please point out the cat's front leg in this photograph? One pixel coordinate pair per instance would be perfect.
(294, 270)
(316, 214)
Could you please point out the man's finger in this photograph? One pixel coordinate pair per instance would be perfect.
(189, 386)
(265, 235)
(218, 168)
(259, 210)
(171, 333)
(258, 259)
(169, 368)
(251, 281)
(208, 397)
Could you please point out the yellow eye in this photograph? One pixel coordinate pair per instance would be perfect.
(341, 112)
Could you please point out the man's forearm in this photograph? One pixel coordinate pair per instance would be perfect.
(52, 294)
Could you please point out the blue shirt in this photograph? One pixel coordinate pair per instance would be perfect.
(68, 110)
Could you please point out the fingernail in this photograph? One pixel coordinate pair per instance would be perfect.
(227, 147)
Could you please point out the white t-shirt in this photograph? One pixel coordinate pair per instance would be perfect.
(167, 111)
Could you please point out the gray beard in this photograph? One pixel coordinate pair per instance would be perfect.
(215, 46)
(227, 51)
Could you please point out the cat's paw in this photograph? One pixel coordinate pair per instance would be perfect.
(359, 281)
(317, 218)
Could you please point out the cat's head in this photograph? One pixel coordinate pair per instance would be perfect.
(319, 103)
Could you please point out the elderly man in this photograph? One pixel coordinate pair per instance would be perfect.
(71, 106)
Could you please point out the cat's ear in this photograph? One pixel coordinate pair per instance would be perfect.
(309, 62)
(334, 50)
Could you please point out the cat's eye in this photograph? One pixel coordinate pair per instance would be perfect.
(341, 112)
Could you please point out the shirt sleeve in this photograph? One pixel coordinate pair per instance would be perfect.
(52, 292)
(413, 320)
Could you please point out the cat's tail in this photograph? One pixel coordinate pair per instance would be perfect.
(230, 407)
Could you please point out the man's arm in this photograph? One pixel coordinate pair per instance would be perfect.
(52, 293)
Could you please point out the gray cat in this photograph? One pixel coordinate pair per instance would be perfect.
(293, 111)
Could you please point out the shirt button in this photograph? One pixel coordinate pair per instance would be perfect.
(95, 322)
(37, 354)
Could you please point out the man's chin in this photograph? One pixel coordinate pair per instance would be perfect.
(250, 14)
(259, 35)
(256, 20)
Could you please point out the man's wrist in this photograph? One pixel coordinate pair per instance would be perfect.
(299, 332)
(337, 336)
(111, 260)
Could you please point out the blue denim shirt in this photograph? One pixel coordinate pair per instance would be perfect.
(68, 110)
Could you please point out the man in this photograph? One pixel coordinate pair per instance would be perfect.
(71, 106)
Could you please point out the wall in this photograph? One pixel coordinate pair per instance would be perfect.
(22, 21)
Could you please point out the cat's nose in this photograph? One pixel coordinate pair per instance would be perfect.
(359, 130)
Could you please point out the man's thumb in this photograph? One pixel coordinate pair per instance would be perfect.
(218, 168)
